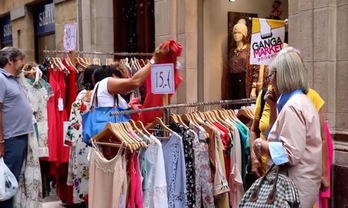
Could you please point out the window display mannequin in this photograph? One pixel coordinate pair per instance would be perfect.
(241, 74)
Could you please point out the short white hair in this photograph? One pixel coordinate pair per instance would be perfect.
(291, 73)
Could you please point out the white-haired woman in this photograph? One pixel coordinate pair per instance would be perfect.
(294, 139)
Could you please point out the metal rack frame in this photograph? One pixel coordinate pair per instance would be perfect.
(185, 105)
(98, 53)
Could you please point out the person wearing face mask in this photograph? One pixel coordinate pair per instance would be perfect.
(15, 113)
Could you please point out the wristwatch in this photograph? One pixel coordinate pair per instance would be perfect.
(152, 61)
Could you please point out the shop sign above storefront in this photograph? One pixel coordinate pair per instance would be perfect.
(6, 29)
(266, 40)
(44, 19)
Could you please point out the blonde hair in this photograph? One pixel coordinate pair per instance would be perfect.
(291, 73)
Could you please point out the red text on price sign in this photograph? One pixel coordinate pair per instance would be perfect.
(162, 79)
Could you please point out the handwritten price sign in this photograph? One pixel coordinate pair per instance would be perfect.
(70, 33)
(162, 78)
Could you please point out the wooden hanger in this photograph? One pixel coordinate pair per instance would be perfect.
(80, 62)
(139, 131)
(158, 121)
(173, 119)
(136, 139)
(104, 134)
(143, 62)
(55, 64)
(186, 118)
(138, 64)
(126, 133)
(68, 60)
(245, 113)
(181, 121)
(62, 65)
(141, 126)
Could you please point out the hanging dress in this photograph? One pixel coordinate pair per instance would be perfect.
(107, 180)
(29, 194)
(78, 175)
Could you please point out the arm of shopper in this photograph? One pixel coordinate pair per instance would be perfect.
(254, 130)
(124, 85)
(287, 139)
(121, 86)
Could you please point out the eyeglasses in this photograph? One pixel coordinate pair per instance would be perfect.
(270, 75)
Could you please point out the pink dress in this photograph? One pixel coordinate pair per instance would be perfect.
(324, 196)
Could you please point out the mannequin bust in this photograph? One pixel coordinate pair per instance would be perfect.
(241, 75)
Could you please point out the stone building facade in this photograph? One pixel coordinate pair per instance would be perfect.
(316, 27)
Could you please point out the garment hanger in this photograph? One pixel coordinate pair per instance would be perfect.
(141, 142)
(126, 133)
(143, 62)
(78, 62)
(62, 65)
(118, 127)
(71, 64)
(128, 127)
(158, 121)
(54, 63)
(244, 112)
(109, 129)
(173, 119)
(141, 126)
(138, 64)
(186, 118)
(181, 121)
(137, 130)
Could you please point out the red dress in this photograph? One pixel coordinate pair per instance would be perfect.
(152, 100)
(71, 86)
(58, 153)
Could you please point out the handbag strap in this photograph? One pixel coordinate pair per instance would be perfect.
(272, 194)
(255, 195)
(95, 97)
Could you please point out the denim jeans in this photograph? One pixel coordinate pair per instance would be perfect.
(15, 152)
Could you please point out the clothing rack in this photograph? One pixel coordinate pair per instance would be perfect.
(97, 53)
(186, 105)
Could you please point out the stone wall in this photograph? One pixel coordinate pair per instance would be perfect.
(23, 22)
(177, 19)
(318, 28)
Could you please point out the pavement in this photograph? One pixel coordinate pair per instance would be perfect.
(52, 202)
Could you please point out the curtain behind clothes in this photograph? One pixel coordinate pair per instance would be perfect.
(134, 26)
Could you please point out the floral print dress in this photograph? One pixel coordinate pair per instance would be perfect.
(30, 183)
(78, 175)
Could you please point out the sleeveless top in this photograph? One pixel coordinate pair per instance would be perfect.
(105, 99)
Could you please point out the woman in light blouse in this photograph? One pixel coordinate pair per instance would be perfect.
(294, 140)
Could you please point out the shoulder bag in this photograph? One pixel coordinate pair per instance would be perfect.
(94, 120)
(273, 190)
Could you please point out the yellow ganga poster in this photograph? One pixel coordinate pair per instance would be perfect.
(266, 40)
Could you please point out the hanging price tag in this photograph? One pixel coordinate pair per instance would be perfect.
(60, 104)
(70, 39)
(162, 79)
